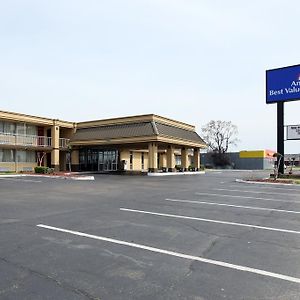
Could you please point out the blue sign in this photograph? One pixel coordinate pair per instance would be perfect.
(283, 84)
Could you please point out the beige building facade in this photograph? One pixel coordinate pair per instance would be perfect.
(145, 143)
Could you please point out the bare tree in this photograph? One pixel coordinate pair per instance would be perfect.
(219, 135)
(40, 157)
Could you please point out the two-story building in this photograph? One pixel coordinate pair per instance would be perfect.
(24, 140)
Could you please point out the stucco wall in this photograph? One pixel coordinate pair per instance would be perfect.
(17, 167)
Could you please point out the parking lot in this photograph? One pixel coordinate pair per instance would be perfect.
(138, 237)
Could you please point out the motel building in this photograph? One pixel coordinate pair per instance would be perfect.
(144, 143)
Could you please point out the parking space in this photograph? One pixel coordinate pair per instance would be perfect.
(130, 237)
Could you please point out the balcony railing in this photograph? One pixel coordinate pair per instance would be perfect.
(64, 143)
(24, 140)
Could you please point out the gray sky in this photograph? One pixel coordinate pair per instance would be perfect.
(193, 61)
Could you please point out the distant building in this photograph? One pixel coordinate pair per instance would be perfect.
(244, 160)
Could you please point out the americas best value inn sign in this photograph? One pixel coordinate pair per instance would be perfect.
(283, 84)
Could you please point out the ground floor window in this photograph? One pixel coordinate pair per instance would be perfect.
(22, 156)
(143, 161)
(178, 160)
(131, 160)
(7, 155)
(26, 156)
(98, 160)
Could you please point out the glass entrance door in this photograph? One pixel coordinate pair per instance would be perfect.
(98, 160)
(110, 160)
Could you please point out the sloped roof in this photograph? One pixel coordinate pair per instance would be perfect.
(176, 132)
(113, 131)
(132, 130)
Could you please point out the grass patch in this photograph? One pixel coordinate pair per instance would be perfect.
(7, 172)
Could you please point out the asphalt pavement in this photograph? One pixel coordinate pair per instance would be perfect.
(138, 237)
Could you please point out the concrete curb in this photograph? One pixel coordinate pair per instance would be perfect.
(49, 176)
(265, 183)
(175, 173)
(229, 170)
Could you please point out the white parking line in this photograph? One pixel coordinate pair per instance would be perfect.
(210, 220)
(232, 205)
(246, 197)
(176, 254)
(22, 180)
(257, 192)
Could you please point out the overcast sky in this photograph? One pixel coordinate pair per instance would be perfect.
(191, 60)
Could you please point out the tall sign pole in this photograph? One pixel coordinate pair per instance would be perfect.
(280, 135)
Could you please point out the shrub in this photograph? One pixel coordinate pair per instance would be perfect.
(40, 170)
(191, 168)
(178, 168)
(43, 170)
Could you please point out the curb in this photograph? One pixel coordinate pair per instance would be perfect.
(49, 176)
(175, 173)
(265, 183)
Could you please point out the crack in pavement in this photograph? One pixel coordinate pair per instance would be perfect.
(63, 285)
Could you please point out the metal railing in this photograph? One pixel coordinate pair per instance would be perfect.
(24, 140)
(64, 143)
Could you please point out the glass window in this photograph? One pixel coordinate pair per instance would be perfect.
(26, 156)
(31, 130)
(98, 160)
(178, 160)
(21, 156)
(143, 161)
(82, 157)
(131, 160)
(30, 156)
(7, 155)
(7, 127)
(21, 129)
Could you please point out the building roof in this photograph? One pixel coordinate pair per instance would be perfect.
(172, 131)
(134, 130)
(135, 119)
(19, 117)
(113, 131)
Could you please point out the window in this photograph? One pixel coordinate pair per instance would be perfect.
(131, 160)
(98, 160)
(26, 129)
(7, 155)
(31, 130)
(21, 129)
(178, 160)
(7, 127)
(26, 156)
(143, 161)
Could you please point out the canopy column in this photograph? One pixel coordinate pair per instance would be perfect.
(184, 159)
(152, 157)
(170, 159)
(197, 158)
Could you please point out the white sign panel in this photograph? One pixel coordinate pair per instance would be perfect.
(293, 132)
